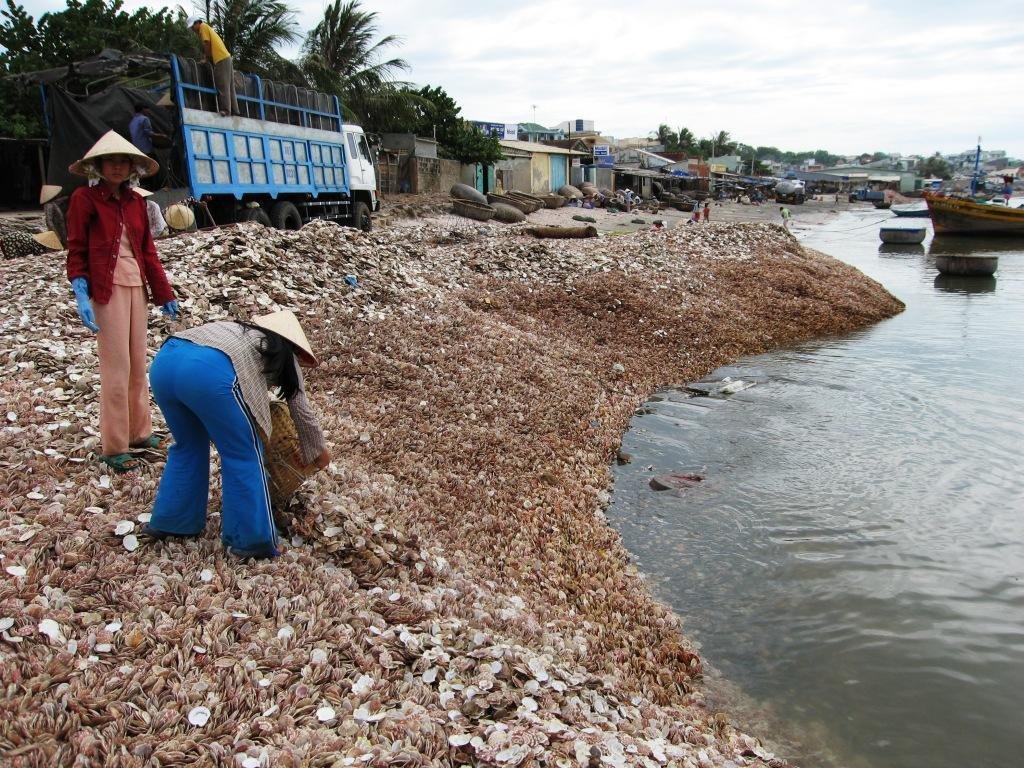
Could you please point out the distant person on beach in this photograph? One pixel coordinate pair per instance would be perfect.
(707, 211)
(784, 212)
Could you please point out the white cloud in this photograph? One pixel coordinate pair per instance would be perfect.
(907, 77)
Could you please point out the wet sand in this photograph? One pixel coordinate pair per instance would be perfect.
(451, 592)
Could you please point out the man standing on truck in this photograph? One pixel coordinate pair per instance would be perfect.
(142, 133)
(215, 52)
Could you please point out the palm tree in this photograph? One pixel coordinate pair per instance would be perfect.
(687, 141)
(723, 143)
(252, 30)
(666, 137)
(341, 56)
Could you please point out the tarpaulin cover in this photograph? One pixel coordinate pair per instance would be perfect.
(75, 125)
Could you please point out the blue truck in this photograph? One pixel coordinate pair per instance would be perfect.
(865, 194)
(289, 158)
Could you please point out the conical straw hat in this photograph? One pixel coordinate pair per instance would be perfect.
(285, 324)
(49, 239)
(48, 192)
(112, 143)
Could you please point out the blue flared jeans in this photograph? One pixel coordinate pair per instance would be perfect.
(197, 390)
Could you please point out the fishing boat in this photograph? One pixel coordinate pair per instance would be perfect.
(957, 215)
(917, 211)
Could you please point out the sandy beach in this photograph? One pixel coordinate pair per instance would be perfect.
(450, 592)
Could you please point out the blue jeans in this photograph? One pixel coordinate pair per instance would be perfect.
(198, 393)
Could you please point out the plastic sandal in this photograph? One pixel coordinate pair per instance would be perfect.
(153, 533)
(150, 442)
(255, 554)
(121, 463)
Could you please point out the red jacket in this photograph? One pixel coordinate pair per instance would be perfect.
(94, 222)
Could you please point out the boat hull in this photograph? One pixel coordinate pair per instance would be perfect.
(917, 212)
(953, 215)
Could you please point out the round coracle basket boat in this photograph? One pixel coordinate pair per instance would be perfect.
(506, 213)
(553, 201)
(465, 192)
(902, 235)
(471, 210)
(506, 199)
(967, 266)
(533, 200)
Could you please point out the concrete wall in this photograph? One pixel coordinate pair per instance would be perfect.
(514, 173)
(540, 173)
(434, 175)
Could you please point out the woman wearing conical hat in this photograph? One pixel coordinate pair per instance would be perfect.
(115, 271)
(211, 383)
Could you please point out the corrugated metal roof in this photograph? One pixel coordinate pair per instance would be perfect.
(535, 148)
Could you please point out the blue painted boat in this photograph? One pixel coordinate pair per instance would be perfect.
(918, 211)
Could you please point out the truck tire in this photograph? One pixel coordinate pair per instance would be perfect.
(361, 217)
(255, 214)
(284, 215)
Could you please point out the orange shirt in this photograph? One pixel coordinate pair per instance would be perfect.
(126, 269)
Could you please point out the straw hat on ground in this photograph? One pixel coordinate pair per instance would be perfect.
(48, 192)
(285, 324)
(112, 143)
(49, 239)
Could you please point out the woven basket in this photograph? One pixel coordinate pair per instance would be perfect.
(534, 203)
(283, 475)
(515, 202)
(471, 210)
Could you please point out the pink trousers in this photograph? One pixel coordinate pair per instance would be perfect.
(124, 393)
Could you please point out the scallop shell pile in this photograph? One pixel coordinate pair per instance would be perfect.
(451, 592)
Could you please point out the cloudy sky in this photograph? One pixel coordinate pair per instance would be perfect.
(909, 76)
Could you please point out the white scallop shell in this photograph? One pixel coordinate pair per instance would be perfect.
(199, 716)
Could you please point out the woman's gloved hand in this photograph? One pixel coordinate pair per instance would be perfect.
(81, 288)
(171, 309)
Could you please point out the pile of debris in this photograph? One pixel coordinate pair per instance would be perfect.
(450, 592)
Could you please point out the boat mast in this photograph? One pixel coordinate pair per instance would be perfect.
(977, 161)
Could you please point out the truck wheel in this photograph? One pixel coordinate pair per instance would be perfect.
(361, 217)
(255, 214)
(284, 215)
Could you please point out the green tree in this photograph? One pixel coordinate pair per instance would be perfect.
(469, 145)
(687, 142)
(432, 113)
(342, 55)
(59, 38)
(252, 31)
(666, 137)
(935, 167)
